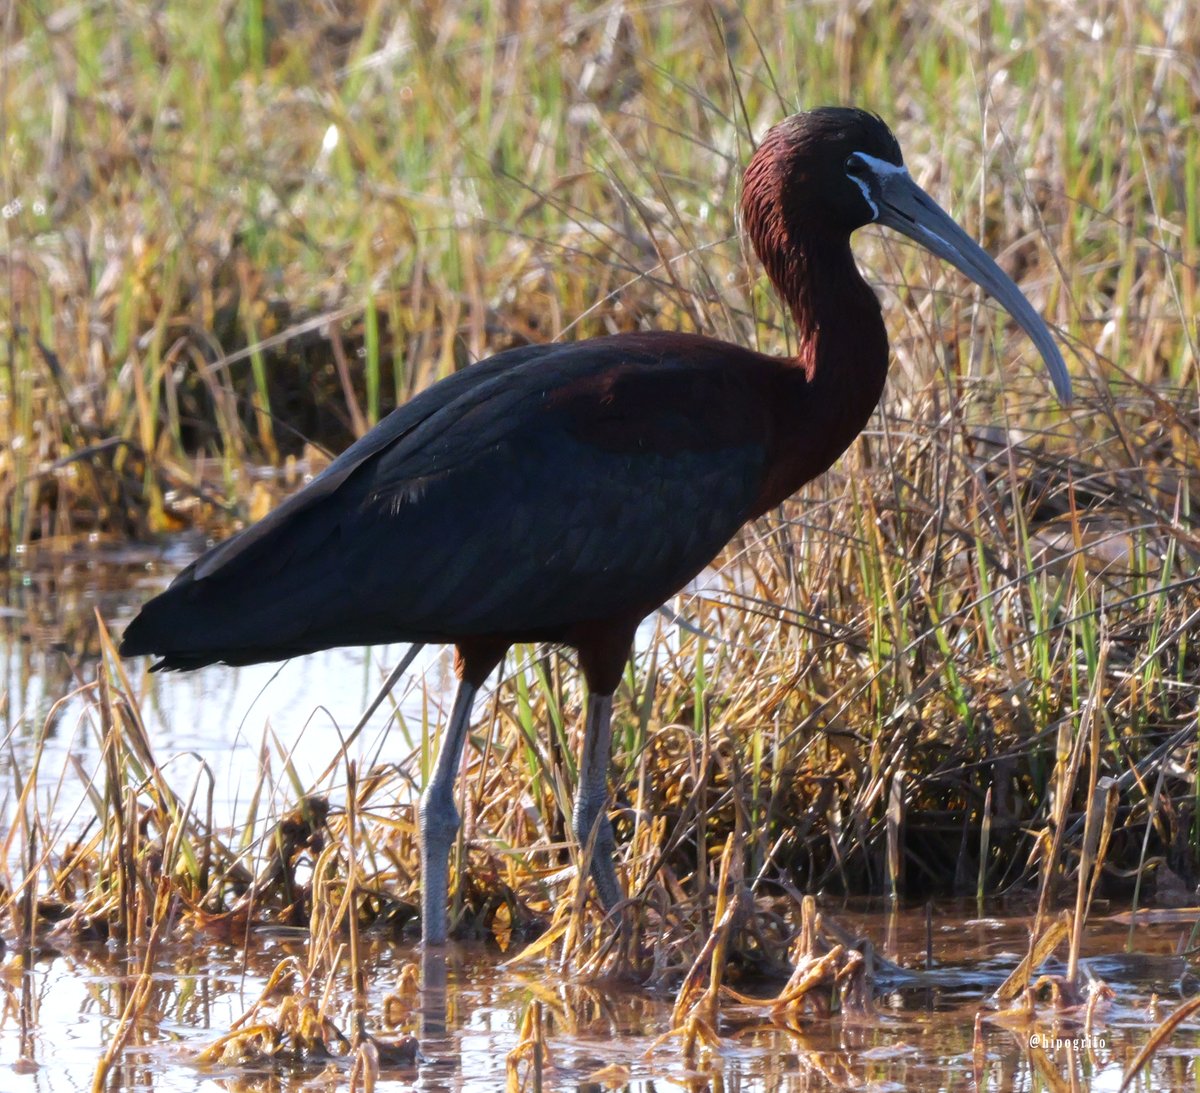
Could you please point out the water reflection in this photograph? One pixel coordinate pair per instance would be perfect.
(299, 710)
(469, 1011)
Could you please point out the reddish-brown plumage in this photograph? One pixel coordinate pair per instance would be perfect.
(640, 427)
(560, 493)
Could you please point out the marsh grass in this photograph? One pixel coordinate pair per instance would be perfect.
(963, 661)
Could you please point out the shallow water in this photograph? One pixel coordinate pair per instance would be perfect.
(217, 716)
(60, 1010)
(920, 1036)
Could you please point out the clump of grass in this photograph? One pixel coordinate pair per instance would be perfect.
(290, 1024)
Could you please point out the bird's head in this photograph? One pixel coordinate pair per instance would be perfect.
(822, 166)
(826, 172)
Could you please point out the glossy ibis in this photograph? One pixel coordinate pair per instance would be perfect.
(559, 493)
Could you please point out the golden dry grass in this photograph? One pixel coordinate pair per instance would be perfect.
(233, 233)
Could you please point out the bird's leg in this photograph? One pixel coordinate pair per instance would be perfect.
(434, 978)
(439, 820)
(593, 795)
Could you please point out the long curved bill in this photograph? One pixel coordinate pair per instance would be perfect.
(912, 212)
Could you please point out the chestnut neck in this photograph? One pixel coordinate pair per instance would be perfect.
(839, 325)
(809, 261)
(842, 352)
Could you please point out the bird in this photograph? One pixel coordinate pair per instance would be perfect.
(559, 493)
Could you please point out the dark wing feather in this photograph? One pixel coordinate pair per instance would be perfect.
(584, 481)
(391, 431)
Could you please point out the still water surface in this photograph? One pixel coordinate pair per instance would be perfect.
(920, 1035)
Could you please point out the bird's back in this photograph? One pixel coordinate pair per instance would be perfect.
(545, 487)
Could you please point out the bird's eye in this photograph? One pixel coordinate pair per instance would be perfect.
(855, 167)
